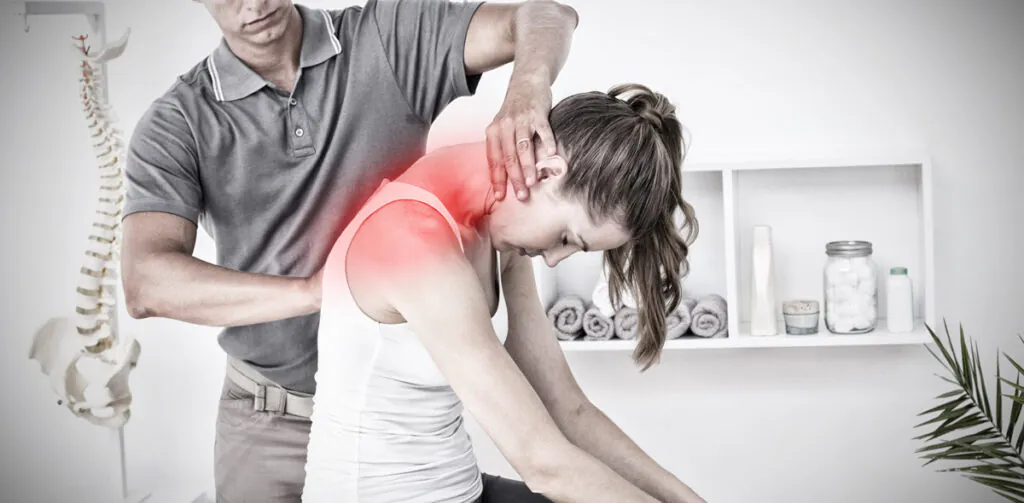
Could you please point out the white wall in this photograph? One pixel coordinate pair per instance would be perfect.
(751, 80)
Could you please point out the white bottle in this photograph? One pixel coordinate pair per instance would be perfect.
(899, 301)
(763, 318)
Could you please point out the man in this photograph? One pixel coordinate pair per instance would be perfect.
(270, 144)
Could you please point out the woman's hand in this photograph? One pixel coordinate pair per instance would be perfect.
(510, 148)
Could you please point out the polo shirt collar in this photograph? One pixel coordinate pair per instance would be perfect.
(233, 79)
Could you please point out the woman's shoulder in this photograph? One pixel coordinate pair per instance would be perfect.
(403, 240)
(396, 252)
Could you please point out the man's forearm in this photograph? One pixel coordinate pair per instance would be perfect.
(185, 288)
(543, 35)
(594, 432)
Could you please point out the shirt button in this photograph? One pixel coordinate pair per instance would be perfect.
(299, 132)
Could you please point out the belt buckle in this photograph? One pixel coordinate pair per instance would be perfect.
(260, 399)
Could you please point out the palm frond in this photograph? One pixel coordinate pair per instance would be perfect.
(965, 429)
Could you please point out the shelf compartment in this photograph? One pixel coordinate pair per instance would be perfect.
(808, 207)
(884, 198)
(578, 274)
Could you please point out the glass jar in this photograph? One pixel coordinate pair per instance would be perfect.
(851, 288)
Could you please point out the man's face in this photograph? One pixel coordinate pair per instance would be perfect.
(254, 21)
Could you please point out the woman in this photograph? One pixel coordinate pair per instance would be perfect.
(413, 289)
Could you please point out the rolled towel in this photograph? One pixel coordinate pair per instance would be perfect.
(674, 327)
(566, 316)
(710, 317)
(679, 320)
(626, 321)
(597, 326)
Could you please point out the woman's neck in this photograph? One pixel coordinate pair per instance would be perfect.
(459, 177)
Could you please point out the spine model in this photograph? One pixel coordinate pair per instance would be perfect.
(96, 312)
(100, 395)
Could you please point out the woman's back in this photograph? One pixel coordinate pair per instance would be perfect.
(387, 427)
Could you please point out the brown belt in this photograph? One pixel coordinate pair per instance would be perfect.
(268, 396)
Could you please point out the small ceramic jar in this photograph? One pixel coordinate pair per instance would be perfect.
(801, 316)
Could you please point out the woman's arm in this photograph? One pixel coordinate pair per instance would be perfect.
(410, 255)
(534, 347)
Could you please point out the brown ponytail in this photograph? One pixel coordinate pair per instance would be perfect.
(625, 152)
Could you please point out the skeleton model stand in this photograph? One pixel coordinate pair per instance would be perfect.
(84, 355)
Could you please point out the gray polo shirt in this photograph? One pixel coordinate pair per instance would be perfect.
(273, 177)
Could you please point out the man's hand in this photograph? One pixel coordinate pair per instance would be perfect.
(510, 145)
(536, 35)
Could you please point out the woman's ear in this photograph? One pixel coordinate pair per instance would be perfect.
(551, 167)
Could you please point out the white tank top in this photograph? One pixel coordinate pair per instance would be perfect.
(386, 425)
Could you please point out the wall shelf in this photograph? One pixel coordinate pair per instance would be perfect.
(882, 198)
(878, 337)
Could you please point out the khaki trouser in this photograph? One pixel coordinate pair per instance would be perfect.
(259, 455)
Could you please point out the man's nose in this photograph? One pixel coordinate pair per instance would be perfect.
(254, 5)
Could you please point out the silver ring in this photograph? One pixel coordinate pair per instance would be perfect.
(524, 140)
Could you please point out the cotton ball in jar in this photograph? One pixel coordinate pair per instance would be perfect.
(864, 271)
(837, 266)
(860, 322)
(866, 286)
(845, 292)
(843, 325)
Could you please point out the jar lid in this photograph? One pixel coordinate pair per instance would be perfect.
(898, 270)
(848, 248)
(800, 306)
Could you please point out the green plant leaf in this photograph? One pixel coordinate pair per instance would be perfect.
(999, 396)
(1010, 497)
(966, 370)
(950, 362)
(988, 468)
(992, 454)
(991, 449)
(968, 421)
(945, 406)
(946, 360)
(1004, 485)
(1013, 385)
(1014, 362)
(948, 394)
(1015, 409)
(963, 443)
(983, 400)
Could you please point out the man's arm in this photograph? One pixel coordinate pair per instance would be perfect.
(161, 278)
(159, 275)
(537, 35)
(536, 351)
(426, 279)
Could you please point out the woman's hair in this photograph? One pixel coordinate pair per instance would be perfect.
(625, 150)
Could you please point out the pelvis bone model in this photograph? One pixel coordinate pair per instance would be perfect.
(84, 356)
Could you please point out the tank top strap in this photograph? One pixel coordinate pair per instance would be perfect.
(337, 294)
(391, 191)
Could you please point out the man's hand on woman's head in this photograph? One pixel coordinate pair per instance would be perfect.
(510, 136)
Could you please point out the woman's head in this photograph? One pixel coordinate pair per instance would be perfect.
(615, 186)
